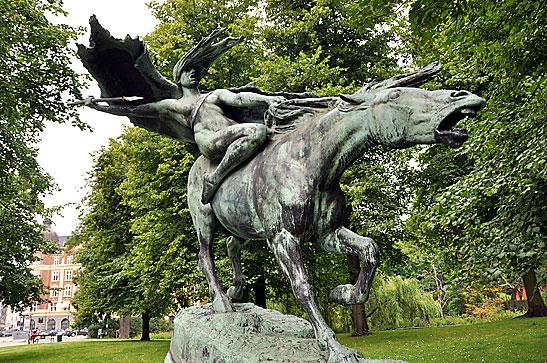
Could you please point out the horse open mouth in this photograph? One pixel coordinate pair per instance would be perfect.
(454, 137)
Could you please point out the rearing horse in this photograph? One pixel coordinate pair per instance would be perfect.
(289, 193)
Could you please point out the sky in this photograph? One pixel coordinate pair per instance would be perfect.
(65, 151)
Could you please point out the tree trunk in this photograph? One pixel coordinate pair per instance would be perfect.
(145, 325)
(513, 300)
(438, 283)
(125, 327)
(259, 288)
(536, 306)
(358, 319)
(357, 311)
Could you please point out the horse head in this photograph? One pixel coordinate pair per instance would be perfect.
(401, 116)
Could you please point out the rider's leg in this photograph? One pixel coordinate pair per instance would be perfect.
(342, 241)
(234, 144)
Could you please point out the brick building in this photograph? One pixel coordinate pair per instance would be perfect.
(57, 271)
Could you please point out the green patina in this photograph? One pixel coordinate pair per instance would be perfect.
(283, 188)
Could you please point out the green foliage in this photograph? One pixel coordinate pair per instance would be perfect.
(157, 325)
(378, 198)
(183, 23)
(304, 73)
(492, 217)
(138, 249)
(354, 36)
(400, 303)
(34, 75)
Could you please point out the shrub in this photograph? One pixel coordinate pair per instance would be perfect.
(400, 303)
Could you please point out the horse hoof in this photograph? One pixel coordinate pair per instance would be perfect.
(346, 295)
(346, 355)
(222, 305)
(234, 293)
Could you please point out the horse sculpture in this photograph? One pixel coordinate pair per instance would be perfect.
(289, 192)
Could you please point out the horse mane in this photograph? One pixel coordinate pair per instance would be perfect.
(286, 116)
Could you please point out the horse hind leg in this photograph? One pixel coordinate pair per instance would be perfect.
(234, 245)
(343, 241)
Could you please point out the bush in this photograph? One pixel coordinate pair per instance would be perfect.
(400, 303)
(108, 326)
(157, 325)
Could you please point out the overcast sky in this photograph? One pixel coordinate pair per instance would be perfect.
(65, 150)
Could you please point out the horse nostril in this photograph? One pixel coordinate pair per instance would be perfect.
(459, 94)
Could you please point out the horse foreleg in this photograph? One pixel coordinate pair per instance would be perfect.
(206, 234)
(234, 246)
(345, 242)
(288, 254)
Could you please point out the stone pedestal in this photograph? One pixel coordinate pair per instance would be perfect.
(251, 334)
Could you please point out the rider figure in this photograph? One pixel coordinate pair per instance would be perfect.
(198, 118)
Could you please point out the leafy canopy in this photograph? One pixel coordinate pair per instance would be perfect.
(35, 74)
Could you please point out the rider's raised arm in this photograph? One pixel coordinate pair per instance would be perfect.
(245, 99)
(152, 109)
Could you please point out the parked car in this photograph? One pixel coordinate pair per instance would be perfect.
(82, 331)
(55, 332)
(69, 333)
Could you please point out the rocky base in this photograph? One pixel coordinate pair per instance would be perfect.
(251, 334)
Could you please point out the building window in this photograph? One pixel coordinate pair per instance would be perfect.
(55, 276)
(54, 291)
(53, 307)
(68, 275)
(56, 260)
(33, 309)
(36, 263)
(68, 290)
(69, 260)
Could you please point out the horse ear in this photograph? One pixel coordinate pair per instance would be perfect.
(349, 98)
(358, 98)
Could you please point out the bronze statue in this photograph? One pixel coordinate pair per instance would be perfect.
(286, 192)
(198, 118)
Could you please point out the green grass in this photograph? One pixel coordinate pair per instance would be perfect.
(515, 340)
(104, 351)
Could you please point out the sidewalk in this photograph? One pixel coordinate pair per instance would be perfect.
(8, 341)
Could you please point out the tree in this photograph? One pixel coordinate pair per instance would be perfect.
(35, 74)
(105, 286)
(137, 242)
(354, 36)
(493, 218)
(183, 23)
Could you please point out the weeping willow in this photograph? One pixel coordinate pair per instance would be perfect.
(399, 303)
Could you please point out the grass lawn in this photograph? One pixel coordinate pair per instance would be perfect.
(103, 351)
(516, 340)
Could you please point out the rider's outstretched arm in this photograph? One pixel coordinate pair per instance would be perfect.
(246, 99)
(145, 110)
